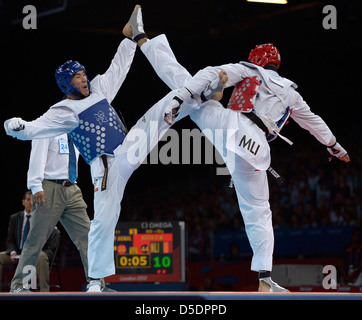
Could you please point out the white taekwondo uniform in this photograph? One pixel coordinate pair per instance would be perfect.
(90, 136)
(276, 95)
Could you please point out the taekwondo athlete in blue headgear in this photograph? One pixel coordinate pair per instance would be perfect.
(64, 75)
(87, 116)
(93, 125)
(100, 129)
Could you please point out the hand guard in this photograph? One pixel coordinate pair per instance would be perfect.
(16, 124)
(173, 108)
(338, 151)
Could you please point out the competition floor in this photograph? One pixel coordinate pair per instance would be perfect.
(191, 295)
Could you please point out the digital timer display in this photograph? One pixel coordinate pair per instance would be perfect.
(149, 252)
(133, 261)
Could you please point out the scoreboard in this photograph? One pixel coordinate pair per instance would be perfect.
(149, 252)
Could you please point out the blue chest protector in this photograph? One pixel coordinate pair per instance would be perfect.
(100, 131)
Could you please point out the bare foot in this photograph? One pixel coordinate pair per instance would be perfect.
(223, 78)
(263, 286)
(127, 30)
(268, 285)
(134, 27)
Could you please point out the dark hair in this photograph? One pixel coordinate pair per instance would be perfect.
(271, 66)
(26, 193)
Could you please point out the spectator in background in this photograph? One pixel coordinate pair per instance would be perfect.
(336, 215)
(196, 244)
(351, 265)
(16, 238)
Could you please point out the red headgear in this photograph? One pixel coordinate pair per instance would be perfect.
(263, 54)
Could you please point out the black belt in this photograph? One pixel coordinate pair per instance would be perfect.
(105, 175)
(253, 117)
(64, 182)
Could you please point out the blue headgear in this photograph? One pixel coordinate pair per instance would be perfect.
(63, 77)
